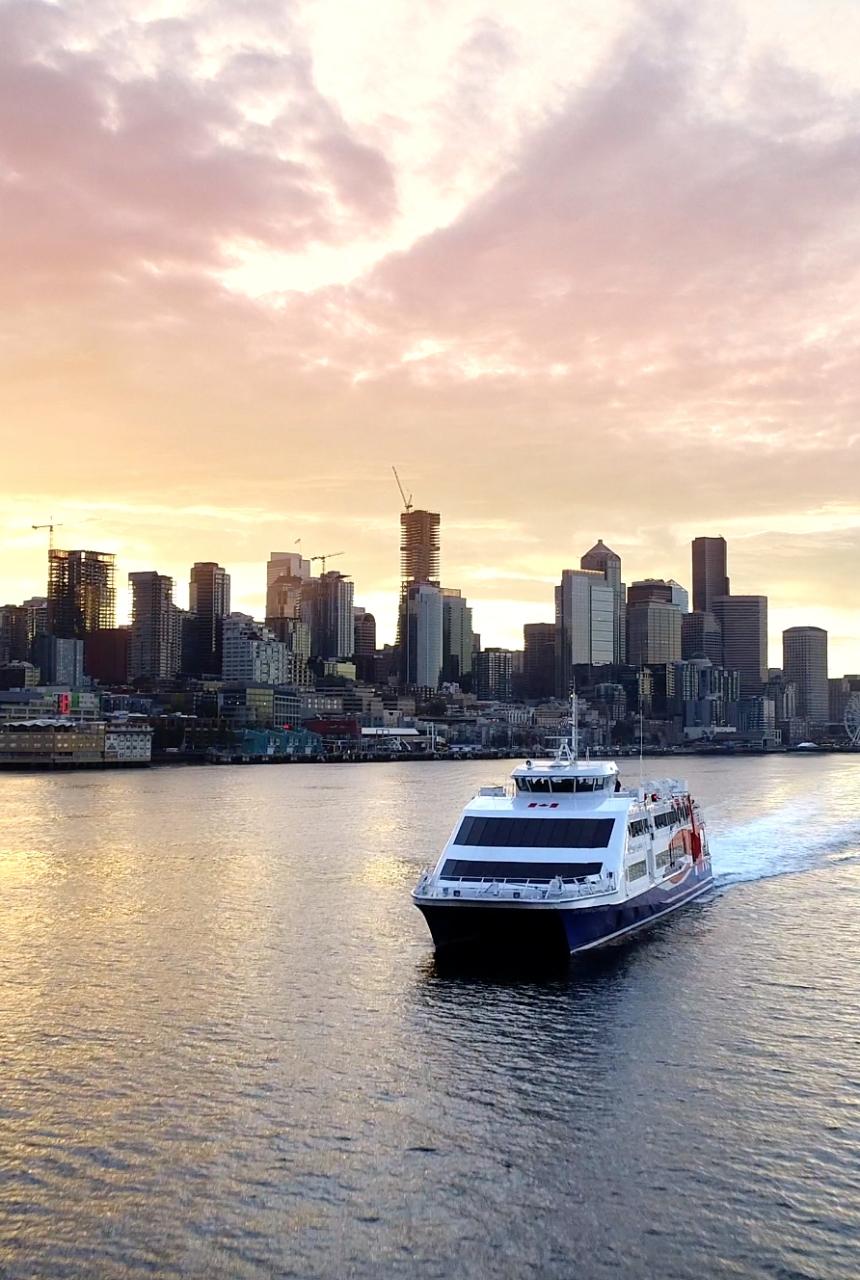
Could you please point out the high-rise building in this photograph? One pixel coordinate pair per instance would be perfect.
(457, 636)
(209, 605)
(653, 632)
(14, 638)
(494, 674)
(421, 636)
(602, 559)
(419, 546)
(804, 661)
(81, 593)
(743, 622)
(285, 572)
(154, 650)
(417, 640)
(539, 659)
(252, 654)
(710, 576)
(364, 649)
(327, 607)
(585, 612)
(701, 637)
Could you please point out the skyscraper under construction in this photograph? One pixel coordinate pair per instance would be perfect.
(419, 623)
(81, 593)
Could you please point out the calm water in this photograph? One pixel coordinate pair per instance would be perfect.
(225, 1050)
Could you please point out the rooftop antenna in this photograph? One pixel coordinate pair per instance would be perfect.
(329, 555)
(407, 502)
(298, 543)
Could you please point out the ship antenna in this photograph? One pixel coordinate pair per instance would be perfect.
(574, 724)
(641, 727)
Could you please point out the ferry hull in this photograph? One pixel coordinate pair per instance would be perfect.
(526, 931)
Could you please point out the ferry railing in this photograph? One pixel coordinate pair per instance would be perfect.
(514, 889)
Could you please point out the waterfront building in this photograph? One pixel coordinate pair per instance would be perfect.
(81, 593)
(327, 607)
(209, 604)
(457, 636)
(421, 636)
(19, 675)
(154, 650)
(602, 559)
(710, 576)
(701, 637)
(539, 659)
(804, 661)
(743, 622)
(757, 721)
(251, 652)
(585, 613)
(60, 660)
(494, 674)
(653, 629)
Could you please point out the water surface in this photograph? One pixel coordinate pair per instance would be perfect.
(225, 1049)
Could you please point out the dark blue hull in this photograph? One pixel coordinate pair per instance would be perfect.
(522, 930)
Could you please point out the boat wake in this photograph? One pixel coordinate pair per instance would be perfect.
(786, 841)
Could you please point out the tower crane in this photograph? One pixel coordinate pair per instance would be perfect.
(329, 555)
(407, 502)
(50, 526)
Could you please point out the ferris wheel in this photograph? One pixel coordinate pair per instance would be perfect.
(852, 719)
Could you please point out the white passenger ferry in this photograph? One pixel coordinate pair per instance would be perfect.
(564, 859)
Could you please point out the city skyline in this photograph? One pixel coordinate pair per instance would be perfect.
(576, 278)
(386, 606)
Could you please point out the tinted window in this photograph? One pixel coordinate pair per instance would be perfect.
(537, 872)
(536, 833)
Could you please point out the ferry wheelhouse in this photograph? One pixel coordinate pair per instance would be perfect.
(564, 859)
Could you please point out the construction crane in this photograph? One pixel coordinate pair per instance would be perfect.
(50, 526)
(329, 555)
(407, 502)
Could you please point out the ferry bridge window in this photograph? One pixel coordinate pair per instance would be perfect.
(520, 872)
(637, 870)
(536, 833)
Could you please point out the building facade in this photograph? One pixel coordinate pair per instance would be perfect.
(710, 572)
(81, 593)
(585, 605)
(539, 660)
(251, 652)
(743, 622)
(155, 640)
(457, 636)
(653, 632)
(327, 607)
(209, 605)
(602, 559)
(421, 638)
(804, 662)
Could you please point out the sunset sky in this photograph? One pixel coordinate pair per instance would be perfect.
(580, 270)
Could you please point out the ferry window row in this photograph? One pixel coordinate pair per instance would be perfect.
(518, 872)
(638, 826)
(663, 858)
(637, 870)
(536, 833)
(555, 786)
(665, 819)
